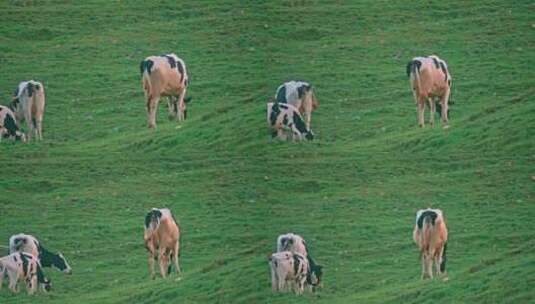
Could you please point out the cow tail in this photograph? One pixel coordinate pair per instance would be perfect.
(426, 230)
(443, 262)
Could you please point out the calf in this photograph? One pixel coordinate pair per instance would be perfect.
(20, 266)
(299, 94)
(8, 125)
(28, 243)
(430, 79)
(162, 240)
(287, 269)
(29, 105)
(431, 236)
(296, 244)
(165, 76)
(284, 118)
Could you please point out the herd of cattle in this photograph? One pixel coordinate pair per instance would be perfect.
(292, 266)
(166, 76)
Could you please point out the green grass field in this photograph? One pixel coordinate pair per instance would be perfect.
(352, 193)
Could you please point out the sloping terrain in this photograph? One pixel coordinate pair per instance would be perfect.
(352, 193)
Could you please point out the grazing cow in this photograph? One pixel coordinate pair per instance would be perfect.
(296, 244)
(283, 118)
(162, 240)
(29, 104)
(287, 269)
(28, 243)
(430, 79)
(165, 76)
(20, 266)
(299, 94)
(8, 125)
(431, 236)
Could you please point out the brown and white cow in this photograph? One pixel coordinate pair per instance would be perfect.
(21, 266)
(430, 79)
(165, 76)
(289, 269)
(162, 240)
(285, 118)
(9, 128)
(299, 94)
(29, 104)
(431, 236)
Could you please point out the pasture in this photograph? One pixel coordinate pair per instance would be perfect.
(352, 193)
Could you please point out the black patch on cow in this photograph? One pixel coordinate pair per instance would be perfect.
(285, 119)
(16, 92)
(180, 69)
(146, 65)
(283, 106)
(49, 259)
(10, 125)
(297, 263)
(31, 88)
(302, 90)
(15, 258)
(309, 135)
(444, 70)
(14, 104)
(443, 263)
(171, 60)
(275, 111)
(153, 215)
(428, 213)
(413, 67)
(281, 95)
(435, 61)
(299, 123)
(24, 260)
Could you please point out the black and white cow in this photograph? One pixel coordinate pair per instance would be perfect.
(299, 94)
(9, 127)
(295, 243)
(289, 269)
(284, 118)
(20, 266)
(27, 243)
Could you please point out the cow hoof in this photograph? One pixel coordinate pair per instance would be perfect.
(446, 127)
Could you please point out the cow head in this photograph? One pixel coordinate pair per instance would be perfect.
(309, 135)
(46, 285)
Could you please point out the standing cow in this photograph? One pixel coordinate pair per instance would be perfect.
(22, 266)
(431, 236)
(430, 79)
(284, 118)
(9, 127)
(289, 269)
(29, 104)
(162, 240)
(165, 76)
(299, 94)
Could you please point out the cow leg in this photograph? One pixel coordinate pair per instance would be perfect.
(423, 266)
(274, 282)
(444, 101)
(32, 284)
(182, 106)
(171, 107)
(432, 109)
(164, 262)
(29, 123)
(429, 266)
(421, 109)
(281, 134)
(152, 110)
(175, 256)
(13, 278)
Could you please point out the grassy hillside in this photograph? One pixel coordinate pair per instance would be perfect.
(352, 193)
